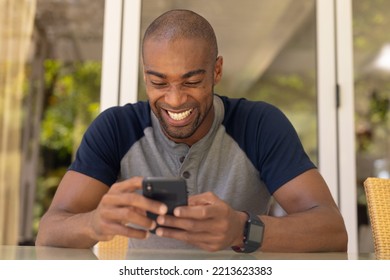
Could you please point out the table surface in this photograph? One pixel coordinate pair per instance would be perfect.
(51, 253)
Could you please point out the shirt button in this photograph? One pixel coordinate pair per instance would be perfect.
(186, 174)
(182, 159)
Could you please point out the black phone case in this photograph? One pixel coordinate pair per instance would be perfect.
(171, 191)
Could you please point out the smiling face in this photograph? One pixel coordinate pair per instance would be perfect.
(179, 77)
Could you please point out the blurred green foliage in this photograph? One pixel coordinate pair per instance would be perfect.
(74, 103)
(72, 95)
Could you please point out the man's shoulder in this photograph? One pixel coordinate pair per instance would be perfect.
(245, 119)
(140, 109)
(131, 113)
(240, 109)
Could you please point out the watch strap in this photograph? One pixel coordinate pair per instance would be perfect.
(252, 235)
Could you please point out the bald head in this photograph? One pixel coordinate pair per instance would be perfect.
(181, 24)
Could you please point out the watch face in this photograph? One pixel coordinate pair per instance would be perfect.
(256, 233)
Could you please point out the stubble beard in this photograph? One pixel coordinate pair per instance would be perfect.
(185, 132)
(179, 132)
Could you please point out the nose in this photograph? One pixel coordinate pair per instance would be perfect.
(175, 96)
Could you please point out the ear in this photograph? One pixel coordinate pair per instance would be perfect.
(142, 63)
(218, 70)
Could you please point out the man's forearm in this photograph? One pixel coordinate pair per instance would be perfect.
(65, 230)
(318, 230)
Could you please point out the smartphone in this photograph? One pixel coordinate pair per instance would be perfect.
(170, 190)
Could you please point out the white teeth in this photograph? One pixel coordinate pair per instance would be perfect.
(179, 116)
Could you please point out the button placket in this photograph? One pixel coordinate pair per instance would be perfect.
(186, 174)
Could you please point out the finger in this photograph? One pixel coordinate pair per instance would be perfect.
(131, 232)
(199, 212)
(129, 185)
(105, 230)
(136, 233)
(191, 225)
(128, 215)
(204, 241)
(128, 208)
(135, 200)
(194, 225)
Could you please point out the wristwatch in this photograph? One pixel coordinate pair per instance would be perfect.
(253, 235)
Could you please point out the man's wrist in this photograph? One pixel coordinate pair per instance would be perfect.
(253, 233)
(239, 241)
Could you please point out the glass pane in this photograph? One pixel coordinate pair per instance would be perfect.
(371, 24)
(269, 54)
(61, 99)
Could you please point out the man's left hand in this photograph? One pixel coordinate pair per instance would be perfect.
(207, 222)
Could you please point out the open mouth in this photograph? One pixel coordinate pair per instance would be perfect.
(179, 116)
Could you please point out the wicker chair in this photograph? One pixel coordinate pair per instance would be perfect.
(114, 249)
(378, 201)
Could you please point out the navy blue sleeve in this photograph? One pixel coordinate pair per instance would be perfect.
(269, 140)
(108, 139)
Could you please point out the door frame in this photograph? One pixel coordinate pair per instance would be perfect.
(335, 87)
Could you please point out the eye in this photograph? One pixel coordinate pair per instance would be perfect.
(192, 83)
(158, 84)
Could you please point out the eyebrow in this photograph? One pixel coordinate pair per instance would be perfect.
(193, 73)
(184, 76)
(157, 74)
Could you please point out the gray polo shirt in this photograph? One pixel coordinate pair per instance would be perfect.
(250, 151)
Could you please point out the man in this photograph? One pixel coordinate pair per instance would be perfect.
(233, 154)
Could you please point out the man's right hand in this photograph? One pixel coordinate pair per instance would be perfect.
(122, 211)
(85, 211)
